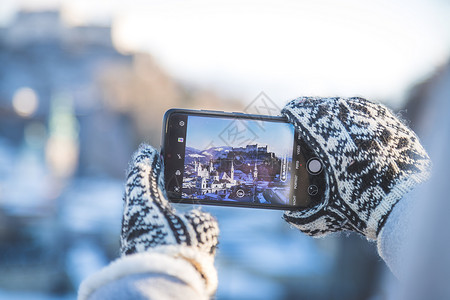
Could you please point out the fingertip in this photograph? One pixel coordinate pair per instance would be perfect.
(145, 151)
(142, 160)
(301, 100)
(292, 103)
(145, 175)
(145, 154)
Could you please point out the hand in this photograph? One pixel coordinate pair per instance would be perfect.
(150, 224)
(370, 157)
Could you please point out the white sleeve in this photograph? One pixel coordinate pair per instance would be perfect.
(145, 276)
(393, 238)
(146, 286)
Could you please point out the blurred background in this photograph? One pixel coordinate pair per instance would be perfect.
(83, 83)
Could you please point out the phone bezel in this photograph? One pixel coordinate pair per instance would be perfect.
(237, 115)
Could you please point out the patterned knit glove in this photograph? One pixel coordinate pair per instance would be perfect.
(370, 157)
(151, 225)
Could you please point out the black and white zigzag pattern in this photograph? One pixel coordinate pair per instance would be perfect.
(148, 219)
(371, 159)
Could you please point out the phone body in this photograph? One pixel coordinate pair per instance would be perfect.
(241, 160)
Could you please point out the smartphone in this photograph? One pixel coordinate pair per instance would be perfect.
(236, 159)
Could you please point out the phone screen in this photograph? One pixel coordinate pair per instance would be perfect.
(236, 160)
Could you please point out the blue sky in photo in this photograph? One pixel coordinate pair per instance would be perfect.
(205, 132)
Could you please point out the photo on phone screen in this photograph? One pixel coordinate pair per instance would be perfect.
(232, 159)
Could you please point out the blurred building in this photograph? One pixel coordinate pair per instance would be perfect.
(72, 110)
(118, 100)
(59, 63)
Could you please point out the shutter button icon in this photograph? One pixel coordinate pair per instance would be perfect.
(314, 166)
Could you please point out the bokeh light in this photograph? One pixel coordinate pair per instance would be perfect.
(25, 101)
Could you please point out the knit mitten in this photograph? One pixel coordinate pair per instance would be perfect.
(155, 239)
(151, 225)
(371, 159)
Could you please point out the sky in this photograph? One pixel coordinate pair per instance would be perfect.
(206, 132)
(373, 49)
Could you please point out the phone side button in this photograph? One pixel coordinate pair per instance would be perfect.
(212, 111)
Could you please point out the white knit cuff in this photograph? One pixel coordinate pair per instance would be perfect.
(184, 263)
